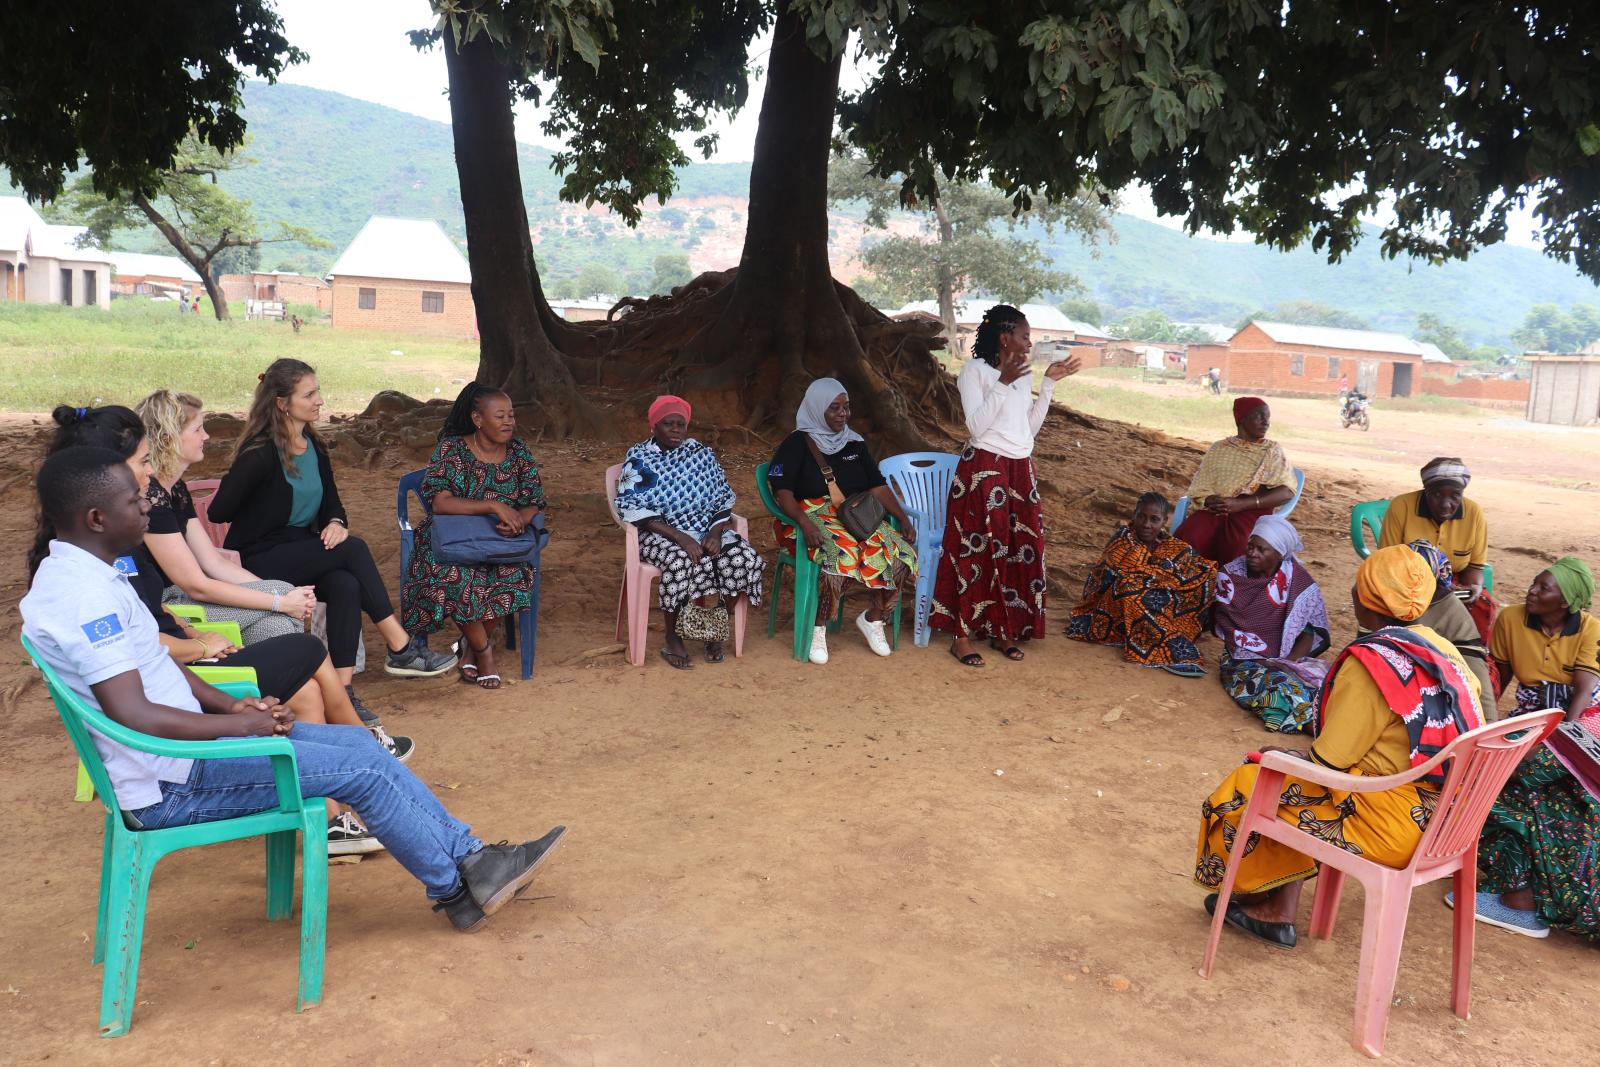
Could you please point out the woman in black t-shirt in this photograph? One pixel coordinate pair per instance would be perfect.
(882, 561)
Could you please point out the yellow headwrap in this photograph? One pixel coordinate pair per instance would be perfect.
(1396, 582)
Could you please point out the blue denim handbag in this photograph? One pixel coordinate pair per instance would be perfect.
(471, 540)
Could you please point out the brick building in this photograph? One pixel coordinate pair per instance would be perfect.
(276, 287)
(404, 276)
(1279, 357)
(140, 274)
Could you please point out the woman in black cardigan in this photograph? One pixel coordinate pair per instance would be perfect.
(288, 523)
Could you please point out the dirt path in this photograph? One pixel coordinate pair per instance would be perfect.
(764, 870)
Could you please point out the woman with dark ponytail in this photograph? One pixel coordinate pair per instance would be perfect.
(991, 579)
(479, 467)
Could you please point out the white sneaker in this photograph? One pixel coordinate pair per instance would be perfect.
(873, 631)
(819, 645)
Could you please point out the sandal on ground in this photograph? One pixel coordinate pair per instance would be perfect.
(1010, 652)
(488, 681)
(971, 659)
(1183, 670)
(459, 649)
(482, 681)
(713, 651)
(677, 660)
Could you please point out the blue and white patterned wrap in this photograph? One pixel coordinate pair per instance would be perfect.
(684, 487)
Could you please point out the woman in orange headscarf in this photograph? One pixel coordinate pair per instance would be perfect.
(1240, 479)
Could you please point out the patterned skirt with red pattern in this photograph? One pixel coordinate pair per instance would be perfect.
(991, 573)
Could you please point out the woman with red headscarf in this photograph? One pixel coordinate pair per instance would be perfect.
(673, 489)
(1240, 479)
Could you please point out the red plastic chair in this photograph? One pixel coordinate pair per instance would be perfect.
(1483, 760)
(633, 603)
(201, 490)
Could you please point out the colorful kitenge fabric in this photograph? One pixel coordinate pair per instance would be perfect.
(882, 561)
(1282, 693)
(991, 573)
(736, 570)
(1551, 695)
(684, 487)
(1148, 600)
(435, 594)
(1234, 466)
(1259, 620)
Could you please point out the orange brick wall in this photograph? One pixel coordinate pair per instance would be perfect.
(399, 307)
(1499, 391)
(1252, 360)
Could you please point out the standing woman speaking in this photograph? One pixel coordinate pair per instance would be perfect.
(991, 574)
(288, 523)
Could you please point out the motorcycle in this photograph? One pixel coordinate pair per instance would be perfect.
(1354, 412)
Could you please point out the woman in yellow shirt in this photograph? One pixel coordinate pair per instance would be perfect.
(1391, 670)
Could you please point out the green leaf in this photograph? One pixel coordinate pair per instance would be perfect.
(1589, 139)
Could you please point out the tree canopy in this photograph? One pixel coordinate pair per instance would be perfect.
(1547, 328)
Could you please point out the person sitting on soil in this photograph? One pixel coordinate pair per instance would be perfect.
(1450, 619)
(883, 560)
(1240, 479)
(479, 467)
(1540, 849)
(673, 489)
(1147, 594)
(288, 524)
(1365, 726)
(1273, 624)
(86, 623)
(1440, 514)
(191, 569)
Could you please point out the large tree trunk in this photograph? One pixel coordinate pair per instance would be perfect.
(201, 264)
(515, 352)
(782, 323)
(947, 285)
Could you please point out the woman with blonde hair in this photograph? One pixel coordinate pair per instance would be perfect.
(288, 523)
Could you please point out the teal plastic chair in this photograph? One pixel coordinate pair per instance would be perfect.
(1367, 517)
(129, 856)
(806, 575)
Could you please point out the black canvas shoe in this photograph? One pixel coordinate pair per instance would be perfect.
(369, 718)
(495, 874)
(400, 746)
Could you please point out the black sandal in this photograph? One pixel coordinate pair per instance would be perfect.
(1010, 652)
(677, 660)
(971, 659)
(713, 651)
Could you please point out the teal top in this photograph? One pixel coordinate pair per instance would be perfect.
(306, 483)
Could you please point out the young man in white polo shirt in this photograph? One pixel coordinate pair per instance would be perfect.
(85, 621)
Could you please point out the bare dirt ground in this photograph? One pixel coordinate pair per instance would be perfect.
(764, 868)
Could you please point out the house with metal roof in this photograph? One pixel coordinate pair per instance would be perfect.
(1280, 357)
(142, 274)
(404, 276)
(46, 263)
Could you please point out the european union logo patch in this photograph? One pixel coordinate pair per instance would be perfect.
(127, 565)
(102, 629)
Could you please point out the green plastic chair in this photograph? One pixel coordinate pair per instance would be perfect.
(237, 682)
(806, 575)
(195, 615)
(1367, 516)
(129, 856)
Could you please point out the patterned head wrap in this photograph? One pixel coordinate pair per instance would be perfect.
(1575, 580)
(1245, 405)
(1446, 469)
(1280, 534)
(1437, 561)
(813, 416)
(667, 405)
(1395, 581)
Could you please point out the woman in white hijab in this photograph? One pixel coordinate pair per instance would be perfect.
(822, 446)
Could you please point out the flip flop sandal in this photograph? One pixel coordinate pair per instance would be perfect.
(484, 681)
(677, 660)
(971, 659)
(1183, 670)
(714, 652)
(1010, 652)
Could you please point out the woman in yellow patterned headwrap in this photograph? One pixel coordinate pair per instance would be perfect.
(1360, 731)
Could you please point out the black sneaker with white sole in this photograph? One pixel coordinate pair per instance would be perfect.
(347, 837)
(417, 660)
(400, 746)
(369, 718)
(496, 874)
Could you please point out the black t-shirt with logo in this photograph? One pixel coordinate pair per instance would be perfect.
(794, 469)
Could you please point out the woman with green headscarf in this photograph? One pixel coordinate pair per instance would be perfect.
(1540, 849)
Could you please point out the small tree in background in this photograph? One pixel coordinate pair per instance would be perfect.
(1083, 309)
(597, 279)
(672, 270)
(1307, 313)
(1546, 328)
(1154, 325)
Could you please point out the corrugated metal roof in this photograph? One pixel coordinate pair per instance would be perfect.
(1335, 337)
(410, 249)
(1432, 353)
(143, 264)
(23, 230)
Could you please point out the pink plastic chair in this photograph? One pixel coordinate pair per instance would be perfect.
(633, 603)
(1483, 760)
(201, 491)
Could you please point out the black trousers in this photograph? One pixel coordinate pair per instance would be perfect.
(346, 580)
(283, 665)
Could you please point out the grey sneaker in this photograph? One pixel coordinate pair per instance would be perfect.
(400, 747)
(418, 661)
(347, 837)
(369, 718)
(495, 874)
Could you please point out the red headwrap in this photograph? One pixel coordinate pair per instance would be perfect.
(668, 405)
(1245, 405)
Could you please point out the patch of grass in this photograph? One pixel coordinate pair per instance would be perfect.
(51, 355)
(1186, 413)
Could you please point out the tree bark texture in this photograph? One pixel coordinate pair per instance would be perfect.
(201, 264)
(947, 285)
(515, 353)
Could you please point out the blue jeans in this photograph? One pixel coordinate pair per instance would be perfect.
(347, 764)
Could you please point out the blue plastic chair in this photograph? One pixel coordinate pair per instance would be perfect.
(806, 575)
(1181, 512)
(128, 856)
(527, 621)
(921, 481)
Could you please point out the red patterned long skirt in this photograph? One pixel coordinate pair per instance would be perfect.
(991, 573)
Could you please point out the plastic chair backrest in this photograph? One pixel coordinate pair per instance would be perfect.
(409, 483)
(1284, 511)
(769, 501)
(1365, 516)
(201, 490)
(922, 482)
(77, 717)
(613, 473)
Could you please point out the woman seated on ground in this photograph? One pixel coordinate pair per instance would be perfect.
(1273, 624)
(1147, 594)
(292, 667)
(1360, 730)
(673, 489)
(1540, 849)
(190, 568)
(1440, 514)
(1450, 619)
(288, 524)
(479, 467)
(880, 562)
(1240, 479)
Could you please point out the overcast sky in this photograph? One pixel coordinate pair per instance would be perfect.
(359, 48)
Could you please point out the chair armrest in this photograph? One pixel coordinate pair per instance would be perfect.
(192, 612)
(285, 771)
(230, 630)
(741, 526)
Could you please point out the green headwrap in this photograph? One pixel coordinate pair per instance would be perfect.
(1575, 580)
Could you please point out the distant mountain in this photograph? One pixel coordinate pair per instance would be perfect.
(327, 162)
